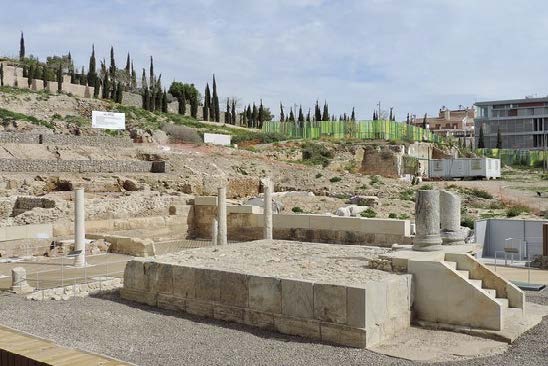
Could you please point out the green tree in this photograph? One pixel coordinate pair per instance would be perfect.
(112, 69)
(1, 74)
(189, 91)
(96, 86)
(249, 116)
(92, 73)
(260, 115)
(128, 65)
(301, 116)
(291, 115)
(207, 104)
(325, 115)
(499, 139)
(22, 47)
(106, 87)
(424, 124)
(144, 80)
(133, 77)
(353, 115)
(119, 93)
(72, 76)
(83, 80)
(282, 115)
(60, 79)
(144, 99)
(254, 116)
(317, 112)
(194, 106)
(113, 91)
(159, 99)
(308, 116)
(215, 102)
(164, 102)
(233, 112)
(227, 113)
(25, 71)
(182, 105)
(481, 139)
(151, 71)
(30, 75)
(390, 116)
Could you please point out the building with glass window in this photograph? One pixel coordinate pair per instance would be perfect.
(523, 123)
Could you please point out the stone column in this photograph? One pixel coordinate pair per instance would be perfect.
(79, 228)
(221, 216)
(451, 232)
(214, 232)
(19, 283)
(427, 221)
(267, 185)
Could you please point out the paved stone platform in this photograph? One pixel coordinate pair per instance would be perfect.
(318, 291)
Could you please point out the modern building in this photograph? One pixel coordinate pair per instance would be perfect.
(523, 123)
(458, 123)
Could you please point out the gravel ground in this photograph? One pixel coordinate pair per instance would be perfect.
(149, 336)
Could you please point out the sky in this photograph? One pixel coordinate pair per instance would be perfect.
(413, 55)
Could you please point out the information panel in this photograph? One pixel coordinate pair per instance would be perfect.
(216, 139)
(108, 120)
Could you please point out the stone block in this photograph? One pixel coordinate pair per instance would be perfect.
(355, 307)
(298, 327)
(208, 284)
(134, 275)
(258, 319)
(234, 289)
(139, 296)
(228, 313)
(343, 335)
(165, 278)
(330, 303)
(152, 273)
(398, 296)
(291, 221)
(184, 282)
(376, 312)
(199, 308)
(265, 294)
(205, 201)
(297, 298)
(171, 302)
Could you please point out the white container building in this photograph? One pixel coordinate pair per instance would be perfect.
(464, 168)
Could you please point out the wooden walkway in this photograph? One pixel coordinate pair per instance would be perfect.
(21, 349)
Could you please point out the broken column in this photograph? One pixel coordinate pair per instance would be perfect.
(451, 232)
(427, 221)
(267, 185)
(214, 232)
(19, 281)
(221, 217)
(79, 228)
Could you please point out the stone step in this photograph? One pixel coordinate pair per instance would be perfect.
(464, 273)
(451, 264)
(502, 301)
(476, 283)
(492, 293)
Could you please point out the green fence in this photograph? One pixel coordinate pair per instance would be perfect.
(515, 157)
(365, 130)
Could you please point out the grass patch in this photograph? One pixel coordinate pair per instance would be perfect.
(480, 193)
(297, 209)
(335, 179)
(369, 213)
(467, 221)
(407, 195)
(316, 154)
(8, 116)
(516, 210)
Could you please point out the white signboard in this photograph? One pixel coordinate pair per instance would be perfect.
(216, 139)
(108, 120)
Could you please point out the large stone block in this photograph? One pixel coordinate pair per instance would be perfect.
(258, 319)
(152, 274)
(265, 294)
(341, 334)
(171, 302)
(228, 313)
(298, 327)
(398, 296)
(330, 303)
(199, 308)
(208, 284)
(297, 298)
(139, 296)
(355, 306)
(184, 282)
(234, 289)
(165, 278)
(134, 275)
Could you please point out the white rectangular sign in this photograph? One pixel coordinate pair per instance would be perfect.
(217, 139)
(108, 120)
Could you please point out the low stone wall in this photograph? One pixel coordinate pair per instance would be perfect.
(81, 166)
(24, 204)
(54, 139)
(246, 223)
(19, 138)
(78, 290)
(33, 231)
(350, 316)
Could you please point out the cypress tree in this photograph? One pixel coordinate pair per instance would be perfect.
(282, 115)
(424, 124)
(145, 99)
(233, 112)
(96, 86)
(1, 74)
(60, 78)
(128, 65)
(25, 71)
(112, 68)
(133, 77)
(113, 90)
(390, 115)
(308, 116)
(152, 107)
(207, 103)
(92, 74)
(164, 102)
(227, 113)
(215, 102)
(407, 120)
(333, 117)
(353, 116)
(260, 116)
(345, 118)
(181, 108)
(325, 116)
(254, 116)
(150, 103)
(499, 139)
(481, 139)
(151, 72)
(22, 47)
(301, 116)
(193, 107)
(374, 115)
(106, 87)
(144, 80)
(82, 77)
(317, 112)
(249, 116)
(30, 75)
(159, 97)
(72, 76)
(291, 115)
(119, 93)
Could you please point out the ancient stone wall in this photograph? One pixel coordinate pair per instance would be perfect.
(19, 138)
(81, 166)
(54, 139)
(386, 160)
